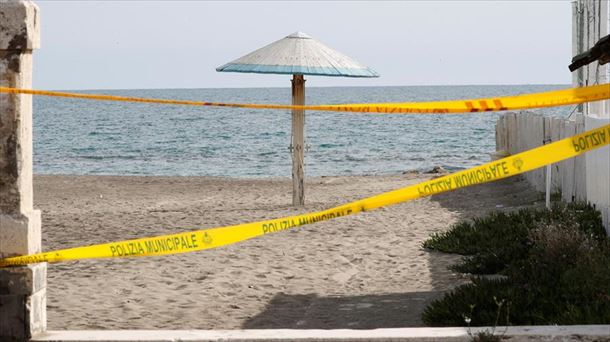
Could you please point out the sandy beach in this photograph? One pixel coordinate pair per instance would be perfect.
(360, 272)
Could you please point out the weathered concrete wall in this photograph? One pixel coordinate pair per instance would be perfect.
(22, 289)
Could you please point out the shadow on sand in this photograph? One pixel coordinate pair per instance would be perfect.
(354, 312)
(309, 311)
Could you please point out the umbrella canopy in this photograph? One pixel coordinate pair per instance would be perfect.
(298, 54)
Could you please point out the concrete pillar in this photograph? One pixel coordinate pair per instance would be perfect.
(22, 289)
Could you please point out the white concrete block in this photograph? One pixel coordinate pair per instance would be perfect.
(516, 333)
(36, 309)
(23, 280)
(21, 235)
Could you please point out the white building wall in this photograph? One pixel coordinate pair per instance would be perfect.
(590, 22)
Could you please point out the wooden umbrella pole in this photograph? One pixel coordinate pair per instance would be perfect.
(298, 141)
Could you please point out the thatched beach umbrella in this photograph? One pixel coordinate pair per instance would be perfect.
(298, 54)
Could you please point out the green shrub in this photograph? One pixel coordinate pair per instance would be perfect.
(586, 217)
(484, 263)
(472, 304)
(491, 243)
(468, 238)
(558, 274)
(488, 251)
(566, 275)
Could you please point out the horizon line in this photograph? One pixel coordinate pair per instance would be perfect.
(347, 86)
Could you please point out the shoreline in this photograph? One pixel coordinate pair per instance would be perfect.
(416, 173)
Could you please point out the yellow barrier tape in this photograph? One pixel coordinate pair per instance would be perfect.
(525, 101)
(216, 237)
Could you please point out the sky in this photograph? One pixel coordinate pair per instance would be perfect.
(178, 44)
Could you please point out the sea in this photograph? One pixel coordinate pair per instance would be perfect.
(84, 137)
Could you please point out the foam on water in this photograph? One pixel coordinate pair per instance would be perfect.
(97, 137)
